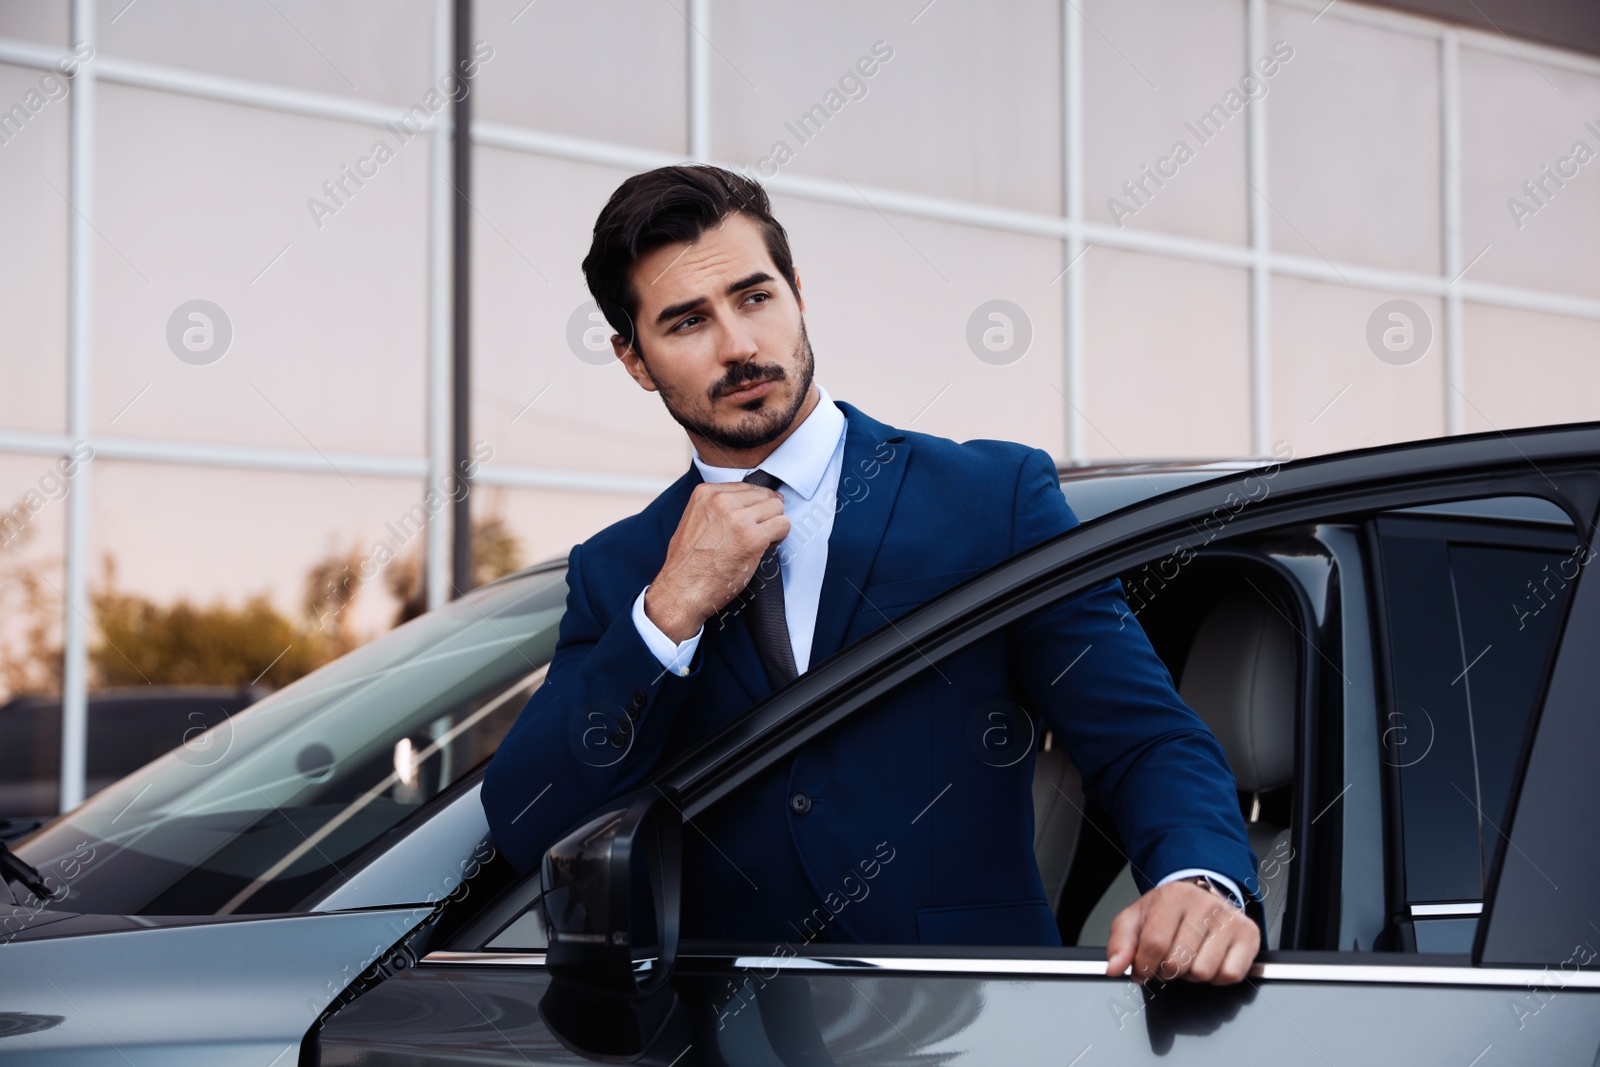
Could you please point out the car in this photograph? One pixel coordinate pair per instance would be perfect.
(1395, 647)
(128, 727)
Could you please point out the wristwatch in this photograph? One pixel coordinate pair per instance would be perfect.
(1206, 882)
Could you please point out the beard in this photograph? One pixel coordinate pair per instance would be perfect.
(770, 423)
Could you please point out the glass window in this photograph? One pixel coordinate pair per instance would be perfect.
(256, 813)
(1472, 610)
(33, 21)
(546, 389)
(368, 49)
(1165, 111)
(241, 230)
(33, 286)
(1354, 147)
(990, 370)
(1141, 403)
(1353, 367)
(857, 92)
(1554, 378)
(541, 74)
(1524, 167)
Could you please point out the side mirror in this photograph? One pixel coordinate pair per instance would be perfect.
(611, 954)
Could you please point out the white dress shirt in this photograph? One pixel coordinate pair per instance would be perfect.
(808, 463)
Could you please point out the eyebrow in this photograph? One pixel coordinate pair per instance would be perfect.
(672, 311)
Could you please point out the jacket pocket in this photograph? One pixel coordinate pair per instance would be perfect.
(1017, 922)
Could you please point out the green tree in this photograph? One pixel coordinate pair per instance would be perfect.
(140, 641)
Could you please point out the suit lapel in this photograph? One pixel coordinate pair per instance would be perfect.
(875, 458)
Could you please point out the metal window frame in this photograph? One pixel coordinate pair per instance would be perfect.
(1071, 227)
(896, 961)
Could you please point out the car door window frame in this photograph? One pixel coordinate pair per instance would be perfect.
(1449, 530)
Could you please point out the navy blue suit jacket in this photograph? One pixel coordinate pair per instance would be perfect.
(912, 833)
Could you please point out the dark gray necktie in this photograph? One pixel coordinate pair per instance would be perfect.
(763, 606)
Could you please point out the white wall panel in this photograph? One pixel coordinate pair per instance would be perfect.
(533, 227)
(1168, 358)
(967, 105)
(33, 235)
(199, 200)
(1153, 71)
(46, 21)
(1521, 126)
(1526, 369)
(1332, 391)
(612, 70)
(889, 301)
(1354, 143)
(367, 49)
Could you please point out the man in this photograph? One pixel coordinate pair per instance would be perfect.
(804, 524)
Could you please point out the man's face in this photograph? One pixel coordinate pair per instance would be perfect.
(722, 337)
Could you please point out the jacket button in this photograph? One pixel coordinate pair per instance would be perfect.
(632, 712)
(618, 739)
(799, 803)
(638, 699)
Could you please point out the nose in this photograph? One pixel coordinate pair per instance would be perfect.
(737, 344)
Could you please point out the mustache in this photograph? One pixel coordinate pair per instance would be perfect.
(746, 375)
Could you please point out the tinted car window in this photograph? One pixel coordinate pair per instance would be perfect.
(1473, 610)
(258, 812)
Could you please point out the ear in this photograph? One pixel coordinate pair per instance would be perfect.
(631, 362)
(799, 290)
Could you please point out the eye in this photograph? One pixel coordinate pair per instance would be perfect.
(691, 319)
(764, 297)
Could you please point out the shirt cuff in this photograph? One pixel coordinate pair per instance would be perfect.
(674, 657)
(1222, 880)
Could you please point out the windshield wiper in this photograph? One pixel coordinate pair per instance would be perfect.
(13, 868)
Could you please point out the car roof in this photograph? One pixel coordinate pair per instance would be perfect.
(1099, 489)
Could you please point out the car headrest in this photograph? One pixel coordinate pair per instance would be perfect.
(1240, 676)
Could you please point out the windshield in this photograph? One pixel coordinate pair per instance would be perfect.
(261, 810)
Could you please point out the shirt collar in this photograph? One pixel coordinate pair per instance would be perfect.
(802, 459)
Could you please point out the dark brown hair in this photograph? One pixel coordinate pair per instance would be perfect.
(666, 206)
